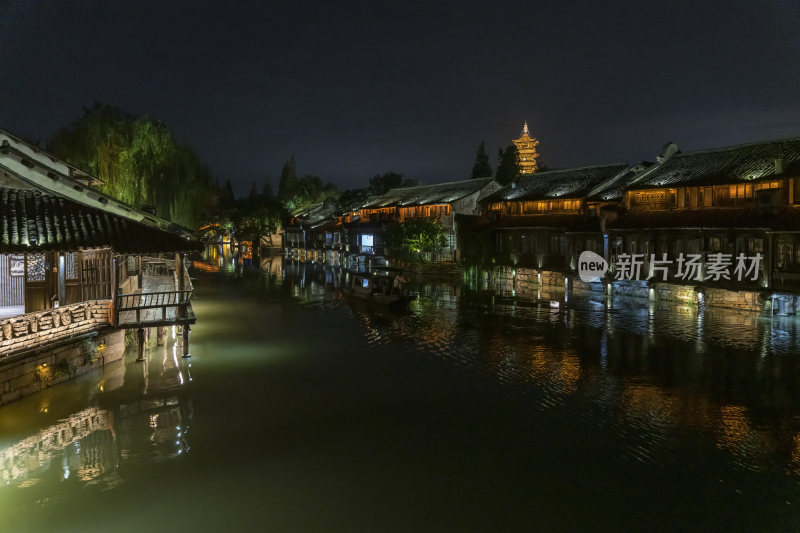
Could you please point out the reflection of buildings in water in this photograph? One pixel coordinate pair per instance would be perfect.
(85, 441)
(156, 427)
(665, 368)
(272, 265)
(147, 418)
(153, 415)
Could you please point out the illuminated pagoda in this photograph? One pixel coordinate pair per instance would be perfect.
(526, 145)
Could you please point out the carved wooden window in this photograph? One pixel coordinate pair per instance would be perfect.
(71, 266)
(36, 267)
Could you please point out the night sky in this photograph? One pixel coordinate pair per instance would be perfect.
(355, 90)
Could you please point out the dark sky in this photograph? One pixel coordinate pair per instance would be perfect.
(354, 90)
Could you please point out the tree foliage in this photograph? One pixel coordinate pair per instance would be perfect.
(140, 163)
(410, 238)
(257, 215)
(482, 168)
(287, 186)
(300, 193)
(508, 168)
(383, 183)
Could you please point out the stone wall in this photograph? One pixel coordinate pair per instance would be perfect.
(525, 282)
(32, 330)
(634, 288)
(711, 296)
(745, 300)
(28, 375)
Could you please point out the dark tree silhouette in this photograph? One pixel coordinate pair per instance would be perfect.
(481, 169)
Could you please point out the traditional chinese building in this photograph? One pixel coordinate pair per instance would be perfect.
(716, 227)
(526, 146)
(440, 201)
(723, 208)
(544, 221)
(76, 268)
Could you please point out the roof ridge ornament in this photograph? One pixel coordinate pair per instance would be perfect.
(525, 127)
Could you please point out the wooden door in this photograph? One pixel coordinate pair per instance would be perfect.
(41, 284)
(72, 277)
(96, 274)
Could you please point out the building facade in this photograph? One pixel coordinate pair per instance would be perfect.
(76, 270)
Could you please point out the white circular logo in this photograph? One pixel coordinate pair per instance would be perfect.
(591, 267)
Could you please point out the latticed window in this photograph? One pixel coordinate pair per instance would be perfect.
(131, 264)
(36, 266)
(71, 266)
(741, 191)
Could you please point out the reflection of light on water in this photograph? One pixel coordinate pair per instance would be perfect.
(560, 371)
(795, 460)
(154, 421)
(734, 428)
(738, 437)
(604, 351)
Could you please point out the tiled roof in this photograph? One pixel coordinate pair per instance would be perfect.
(567, 183)
(440, 193)
(613, 190)
(31, 221)
(785, 219)
(722, 165)
(27, 165)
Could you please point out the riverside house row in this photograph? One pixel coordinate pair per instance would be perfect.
(716, 227)
(77, 268)
(679, 220)
(355, 233)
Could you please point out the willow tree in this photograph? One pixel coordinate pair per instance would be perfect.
(139, 162)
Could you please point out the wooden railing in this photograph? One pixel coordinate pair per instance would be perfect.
(140, 308)
(152, 307)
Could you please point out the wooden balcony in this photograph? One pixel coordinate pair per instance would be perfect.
(158, 297)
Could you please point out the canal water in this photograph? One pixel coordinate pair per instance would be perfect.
(301, 410)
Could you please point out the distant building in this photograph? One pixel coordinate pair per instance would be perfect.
(440, 201)
(526, 146)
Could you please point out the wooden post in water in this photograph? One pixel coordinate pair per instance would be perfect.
(140, 338)
(186, 353)
(115, 301)
(179, 272)
(161, 335)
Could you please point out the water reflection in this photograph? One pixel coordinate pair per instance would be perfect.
(661, 375)
(308, 400)
(139, 413)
